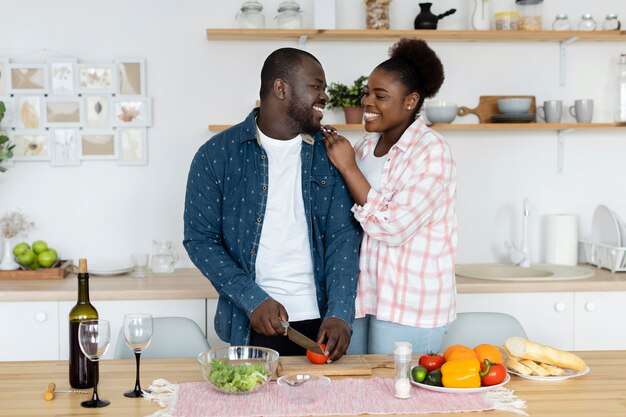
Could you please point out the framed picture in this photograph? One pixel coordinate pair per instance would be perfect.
(97, 111)
(132, 145)
(62, 76)
(98, 145)
(96, 78)
(66, 111)
(8, 121)
(31, 146)
(132, 111)
(4, 76)
(28, 78)
(131, 77)
(65, 146)
(28, 112)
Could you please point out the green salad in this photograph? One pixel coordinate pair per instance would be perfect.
(244, 377)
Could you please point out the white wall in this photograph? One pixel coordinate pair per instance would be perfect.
(101, 209)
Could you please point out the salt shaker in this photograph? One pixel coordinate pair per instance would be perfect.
(402, 359)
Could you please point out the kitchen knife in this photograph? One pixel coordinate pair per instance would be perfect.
(301, 340)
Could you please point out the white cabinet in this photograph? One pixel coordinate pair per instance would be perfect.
(599, 318)
(114, 311)
(565, 320)
(29, 330)
(547, 317)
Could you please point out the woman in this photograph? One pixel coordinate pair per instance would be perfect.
(403, 180)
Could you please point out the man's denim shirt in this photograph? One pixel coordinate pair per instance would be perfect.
(224, 213)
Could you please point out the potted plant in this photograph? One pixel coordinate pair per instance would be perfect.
(348, 98)
(6, 150)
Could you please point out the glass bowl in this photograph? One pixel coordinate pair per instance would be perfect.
(303, 388)
(238, 369)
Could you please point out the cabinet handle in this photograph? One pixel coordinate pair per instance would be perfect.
(590, 306)
(40, 317)
(559, 307)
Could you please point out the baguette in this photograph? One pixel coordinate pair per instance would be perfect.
(525, 349)
(518, 367)
(537, 370)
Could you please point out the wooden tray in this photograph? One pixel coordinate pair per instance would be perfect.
(59, 272)
(347, 365)
(488, 106)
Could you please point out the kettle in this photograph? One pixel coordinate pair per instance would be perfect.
(426, 19)
(164, 257)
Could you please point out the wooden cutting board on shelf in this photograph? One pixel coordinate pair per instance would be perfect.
(346, 366)
(488, 106)
(60, 271)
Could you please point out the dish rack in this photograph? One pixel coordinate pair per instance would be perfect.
(605, 256)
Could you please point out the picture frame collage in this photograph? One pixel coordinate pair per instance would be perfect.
(65, 111)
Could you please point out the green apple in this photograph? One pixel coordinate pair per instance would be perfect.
(34, 265)
(20, 248)
(26, 258)
(39, 246)
(47, 258)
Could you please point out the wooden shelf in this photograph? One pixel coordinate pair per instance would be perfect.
(356, 35)
(481, 127)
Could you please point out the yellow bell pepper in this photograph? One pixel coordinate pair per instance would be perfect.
(462, 373)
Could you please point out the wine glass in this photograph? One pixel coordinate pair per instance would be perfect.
(138, 334)
(94, 338)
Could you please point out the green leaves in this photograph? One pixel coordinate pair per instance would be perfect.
(6, 150)
(341, 95)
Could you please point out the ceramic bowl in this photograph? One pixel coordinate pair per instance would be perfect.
(304, 388)
(238, 369)
(514, 105)
(438, 111)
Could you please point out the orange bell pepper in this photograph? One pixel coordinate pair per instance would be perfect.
(463, 373)
(490, 352)
(461, 352)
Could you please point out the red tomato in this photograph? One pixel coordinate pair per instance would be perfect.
(316, 358)
(495, 374)
(431, 361)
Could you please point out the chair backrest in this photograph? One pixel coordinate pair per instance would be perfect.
(173, 337)
(472, 329)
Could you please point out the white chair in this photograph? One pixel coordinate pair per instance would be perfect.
(472, 329)
(173, 337)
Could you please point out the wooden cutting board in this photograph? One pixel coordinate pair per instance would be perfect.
(346, 366)
(488, 106)
(59, 272)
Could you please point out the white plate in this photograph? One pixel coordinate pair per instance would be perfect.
(569, 373)
(461, 390)
(115, 266)
(605, 227)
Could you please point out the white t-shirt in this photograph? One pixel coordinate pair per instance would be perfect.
(284, 267)
(372, 168)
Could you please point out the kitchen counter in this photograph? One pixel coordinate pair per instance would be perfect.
(22, 384)
(188, 283)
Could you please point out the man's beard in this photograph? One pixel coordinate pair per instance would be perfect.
(301, 116)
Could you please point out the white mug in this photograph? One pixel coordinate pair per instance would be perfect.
(582, 110)
(552, 111)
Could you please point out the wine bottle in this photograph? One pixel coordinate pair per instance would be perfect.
(81, 368)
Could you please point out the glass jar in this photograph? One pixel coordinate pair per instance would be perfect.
(289, 15)
(530, 14)
(506, 20)
(587, 22)
(251, 15)
(377, 14)
(561, 22)
(611, 22)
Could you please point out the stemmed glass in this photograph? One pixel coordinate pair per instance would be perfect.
(138, 334)
(94, 338)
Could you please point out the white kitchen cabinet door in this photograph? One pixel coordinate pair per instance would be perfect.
(548, 318)
(599, 318)
(114, 311)
(29, 330)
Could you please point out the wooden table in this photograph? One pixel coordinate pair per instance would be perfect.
(600, 393)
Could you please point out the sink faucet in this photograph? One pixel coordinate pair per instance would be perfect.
(521, 256)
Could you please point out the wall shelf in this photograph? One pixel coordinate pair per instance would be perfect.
(480, 126)
(356, 35)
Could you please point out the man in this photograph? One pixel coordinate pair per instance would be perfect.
(268, 221)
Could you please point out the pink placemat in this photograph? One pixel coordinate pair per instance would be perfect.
(346, 397)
